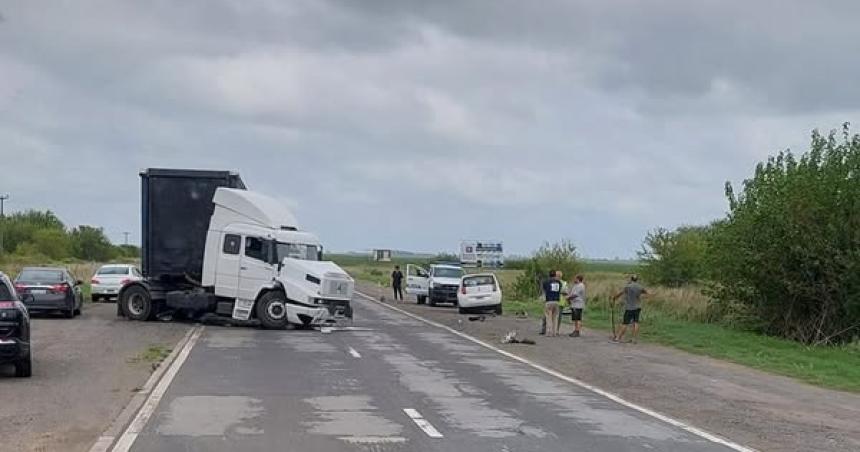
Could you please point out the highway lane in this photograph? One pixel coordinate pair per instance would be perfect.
(391, 384)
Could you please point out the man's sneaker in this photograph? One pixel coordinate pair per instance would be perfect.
(574, 334)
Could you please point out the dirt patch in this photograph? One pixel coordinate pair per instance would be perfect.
(85, 370)
(754, 408)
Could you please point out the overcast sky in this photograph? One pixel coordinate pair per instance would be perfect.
(415, 124)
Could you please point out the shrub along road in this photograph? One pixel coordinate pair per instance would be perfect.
(760, 410)
(85, 370)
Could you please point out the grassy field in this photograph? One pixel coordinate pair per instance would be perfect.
(675, 317)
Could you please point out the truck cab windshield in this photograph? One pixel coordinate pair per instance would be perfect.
(297, 251)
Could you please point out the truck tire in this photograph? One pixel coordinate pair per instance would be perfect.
(272, 310)
(24, 367)
(136, 303)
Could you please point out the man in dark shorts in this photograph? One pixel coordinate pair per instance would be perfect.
(577, 304)
(632, 292)
(397, 283)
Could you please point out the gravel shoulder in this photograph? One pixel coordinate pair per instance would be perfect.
(760, 410)
(85, 370)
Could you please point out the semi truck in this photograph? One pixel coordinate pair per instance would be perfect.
(211, 247)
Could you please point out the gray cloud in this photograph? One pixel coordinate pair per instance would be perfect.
(588, 120)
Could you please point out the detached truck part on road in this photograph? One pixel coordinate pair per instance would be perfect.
(209, 246)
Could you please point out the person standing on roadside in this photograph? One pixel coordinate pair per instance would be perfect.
(558, 274)
(632, 292)
(577, 304)
(397, 283)
(552, 296)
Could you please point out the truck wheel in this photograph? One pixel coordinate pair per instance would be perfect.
(24, 367)
(272, 310)
(137, 303)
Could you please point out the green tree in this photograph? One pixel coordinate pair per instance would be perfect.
(788, 254)
(53, 243)
(674, 258)
(90, 243)
(558, 256)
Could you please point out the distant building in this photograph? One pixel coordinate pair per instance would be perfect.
(474, 253)
(381, 255)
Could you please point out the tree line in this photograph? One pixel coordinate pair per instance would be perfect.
(41, 236)
(785, 260)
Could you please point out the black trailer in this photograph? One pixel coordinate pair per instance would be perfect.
(176, 207)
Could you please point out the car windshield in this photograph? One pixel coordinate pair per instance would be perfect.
(5, 293)
(298, 251)
(442, 272)
(40, 276)
(482, 280)
(113, 271)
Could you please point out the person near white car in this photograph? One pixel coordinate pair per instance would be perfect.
(479, 292)
(109, 279)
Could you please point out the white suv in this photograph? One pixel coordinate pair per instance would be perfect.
(439, 283)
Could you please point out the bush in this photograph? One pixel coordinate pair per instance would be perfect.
(788, 254)
(90, 244)
(559, 256)
(674, 258)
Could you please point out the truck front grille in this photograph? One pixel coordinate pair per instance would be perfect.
(337, 288)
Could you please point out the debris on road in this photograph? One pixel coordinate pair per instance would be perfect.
(511, 338)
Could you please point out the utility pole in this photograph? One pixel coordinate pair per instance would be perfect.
(3, 199)
(126, 237)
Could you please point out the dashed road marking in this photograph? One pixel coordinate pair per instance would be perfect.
(615, 398)
(422, 423)
(354, 353)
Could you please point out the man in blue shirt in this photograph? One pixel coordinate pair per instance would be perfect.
(552, 289)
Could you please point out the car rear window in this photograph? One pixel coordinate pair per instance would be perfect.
(5, 292)
(113, 271)
(41, 276)
(483, 280)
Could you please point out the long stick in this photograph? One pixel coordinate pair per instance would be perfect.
(612, 316)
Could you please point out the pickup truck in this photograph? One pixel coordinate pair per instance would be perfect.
(437, 283)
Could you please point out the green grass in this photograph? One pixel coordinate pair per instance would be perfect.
(153, 354)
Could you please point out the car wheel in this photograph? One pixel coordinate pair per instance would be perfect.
(95, 298)
(462, 310)
(272, 310)
(69, 313)
(430, 299)
(24, 367)
(498, 310)
(422, 299)
(77, 311)
(137, 303)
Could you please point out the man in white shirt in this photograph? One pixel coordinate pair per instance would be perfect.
(577, 304)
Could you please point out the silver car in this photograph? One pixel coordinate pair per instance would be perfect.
(109, 279)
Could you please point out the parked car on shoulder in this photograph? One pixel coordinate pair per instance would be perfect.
(14, 329)
(438, 283)
(109, 279)
(52, 289)
(479, 292)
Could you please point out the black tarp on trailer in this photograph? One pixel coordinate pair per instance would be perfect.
(176, 209)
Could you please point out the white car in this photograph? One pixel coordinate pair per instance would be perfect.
(109, 279)
(480, 292)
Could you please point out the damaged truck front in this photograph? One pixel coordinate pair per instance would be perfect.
(212, 247)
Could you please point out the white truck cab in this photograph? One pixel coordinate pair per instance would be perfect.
(437, 283)
(257, 255)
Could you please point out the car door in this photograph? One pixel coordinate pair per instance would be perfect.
(255, 271)
(227, 266)
(417, 280)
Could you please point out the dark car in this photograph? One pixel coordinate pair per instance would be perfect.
(14, 330)
(52, 289)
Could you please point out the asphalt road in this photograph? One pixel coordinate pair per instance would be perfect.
(395, 384)
(85, 370)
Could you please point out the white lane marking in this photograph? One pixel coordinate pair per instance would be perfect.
(615, 398)
(422, 423)
(136, 426)
(104, 443)
(354, 353)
